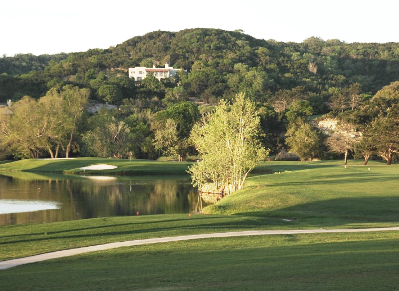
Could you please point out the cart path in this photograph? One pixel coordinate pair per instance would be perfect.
(82, 250)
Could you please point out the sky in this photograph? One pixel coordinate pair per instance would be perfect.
(56, 26)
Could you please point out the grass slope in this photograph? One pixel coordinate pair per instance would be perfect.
(125, 167)
(310, 195)
(318, 193)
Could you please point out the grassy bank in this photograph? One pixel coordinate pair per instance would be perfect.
(72, 166)
(321, 193)
(277, 195)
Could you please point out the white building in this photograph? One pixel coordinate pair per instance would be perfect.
(6, 108)
(140, 73)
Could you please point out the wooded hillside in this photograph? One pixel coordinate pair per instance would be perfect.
(220, 64)
(288, 82)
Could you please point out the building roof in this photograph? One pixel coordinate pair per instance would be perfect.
(157, 69)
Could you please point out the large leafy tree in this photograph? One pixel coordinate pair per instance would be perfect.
(22, 133)
(304, 140)
(47, 125)
(301, 137)
(227, 143)
(385, 134)
(343, 139)
(108, 137)
(172, 128)
(73, 101)
(381, 114)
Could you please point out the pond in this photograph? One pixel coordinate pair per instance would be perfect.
(27, 198)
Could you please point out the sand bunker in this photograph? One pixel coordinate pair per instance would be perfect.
(101, 178)
(99, 167)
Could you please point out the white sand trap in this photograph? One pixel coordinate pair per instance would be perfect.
(52, 159)
(18, 206)
(101, 178)
(99, 167)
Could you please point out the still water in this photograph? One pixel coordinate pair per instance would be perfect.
(27, 198)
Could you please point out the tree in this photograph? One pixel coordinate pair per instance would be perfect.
(299, 110)
(354, 95)
(50, 107)
(107, 137)
(304, 140)
(283, 98)
(365, 147)
(381, 135)
(166, 140)
(22, 134)
(73, 101)
(227, 143)
(343, 139)
(172, 128)
(345, 98)
(385, 133)
(110, 93)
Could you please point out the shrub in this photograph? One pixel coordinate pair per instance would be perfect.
(287, 156)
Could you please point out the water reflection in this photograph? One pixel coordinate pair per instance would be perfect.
(81, 197)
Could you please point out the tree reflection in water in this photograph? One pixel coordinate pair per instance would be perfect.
(94, 196)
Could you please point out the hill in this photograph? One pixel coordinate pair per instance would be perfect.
(220, 63)
(287, 82)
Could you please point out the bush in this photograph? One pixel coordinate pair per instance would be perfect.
(287, 156)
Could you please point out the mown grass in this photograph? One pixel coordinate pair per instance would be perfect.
(277, 195)
(124, 167)
(367, 261)
(319, 193)
(25, 240)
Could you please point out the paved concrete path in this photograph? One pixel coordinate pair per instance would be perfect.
(66, 253)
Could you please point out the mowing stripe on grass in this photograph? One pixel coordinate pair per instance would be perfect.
(66, 253)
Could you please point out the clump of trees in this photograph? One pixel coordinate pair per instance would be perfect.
(48, 125)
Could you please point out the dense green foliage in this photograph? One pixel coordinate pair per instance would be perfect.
(330, 76)
(221, 63)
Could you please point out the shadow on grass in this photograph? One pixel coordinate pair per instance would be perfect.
(333, 179)
(339, 211)
(138, 230)
(270, 168)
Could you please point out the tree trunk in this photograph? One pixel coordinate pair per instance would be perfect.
(68, 148)
(57, 151)
(389, 158)
(366, 159)
(51, 153)
(346, 156)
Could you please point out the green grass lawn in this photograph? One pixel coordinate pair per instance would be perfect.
(277, 195)
(124, 167)
(319, 193)
(367, 261)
